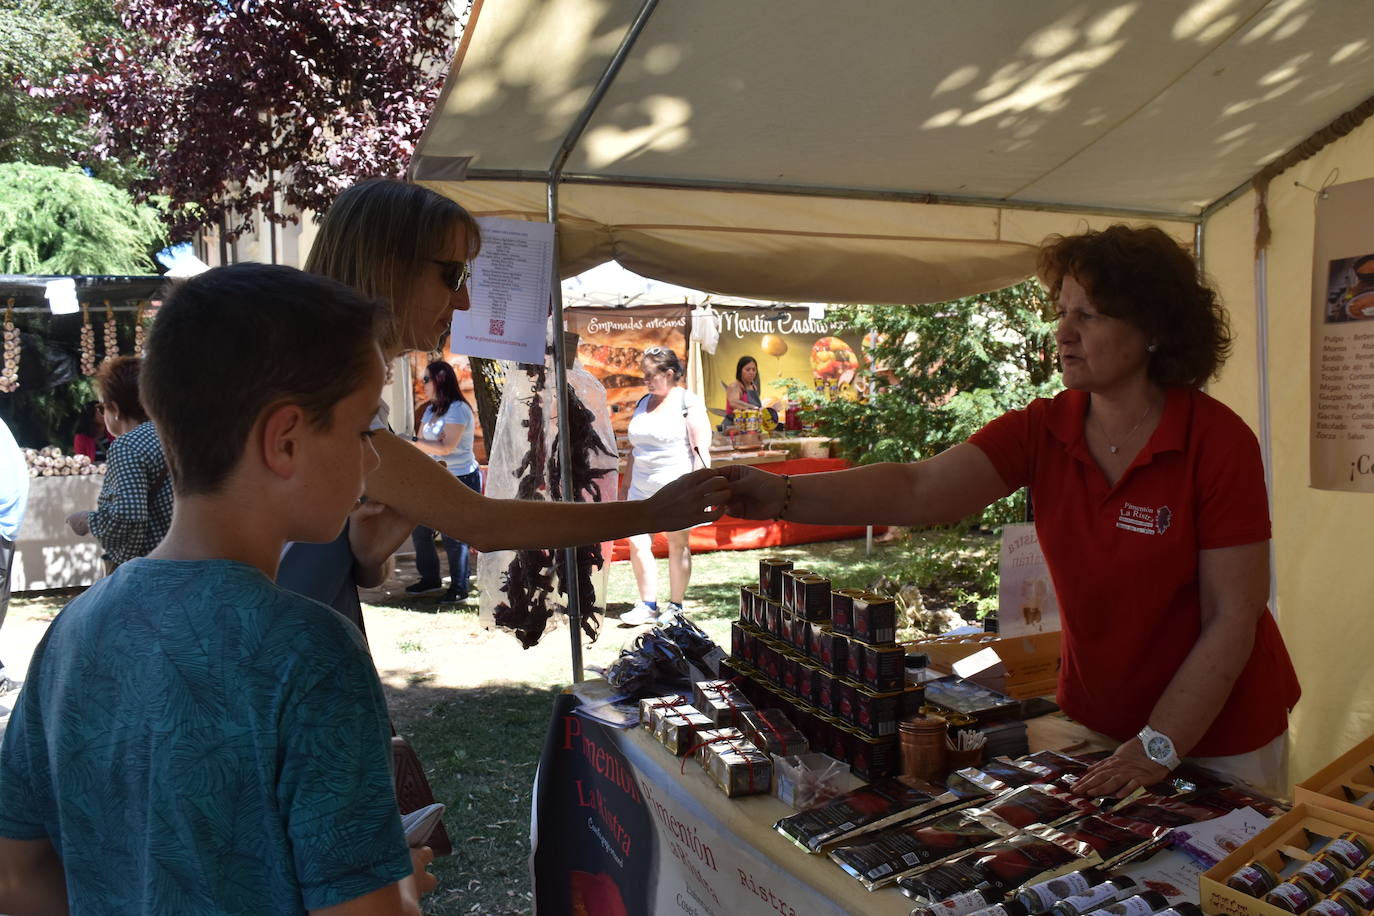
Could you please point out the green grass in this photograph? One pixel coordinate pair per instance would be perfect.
(480, 747)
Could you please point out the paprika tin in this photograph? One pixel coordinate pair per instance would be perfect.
(812, 597)
(875, 619)
(874, 758)
(770, 576)
(842, 609)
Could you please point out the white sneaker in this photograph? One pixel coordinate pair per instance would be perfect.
(670, 608)
(638, 616)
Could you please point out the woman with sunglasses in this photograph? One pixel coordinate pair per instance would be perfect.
(412, 248)
(446, 434)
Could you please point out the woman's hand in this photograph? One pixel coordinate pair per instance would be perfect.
(375, 530)
(700, 496)
(80, 523)
(1126, 770)
(754, 493)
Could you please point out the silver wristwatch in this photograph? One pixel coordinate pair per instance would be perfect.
(1159, 747)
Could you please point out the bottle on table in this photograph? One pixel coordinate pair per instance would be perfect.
(1099, 895)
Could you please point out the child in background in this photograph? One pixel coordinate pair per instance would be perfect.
(193, 738)
(135, 503)
(90, 437)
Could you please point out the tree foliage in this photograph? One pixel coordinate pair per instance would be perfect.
(937, 373)
(63, 221)
(40, 40)
(261, 105)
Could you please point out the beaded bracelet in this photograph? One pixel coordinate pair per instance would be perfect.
(786, 498)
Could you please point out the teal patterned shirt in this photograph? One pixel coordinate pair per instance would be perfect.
(194, 739)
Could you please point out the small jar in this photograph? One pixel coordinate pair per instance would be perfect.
(1293, 896)
(1334, 906)
(1255, 879)
(923, 747)
(1350, 849)
(1359, 888)
(1323, 874)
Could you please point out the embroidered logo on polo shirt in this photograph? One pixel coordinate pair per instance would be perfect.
(1144, 520)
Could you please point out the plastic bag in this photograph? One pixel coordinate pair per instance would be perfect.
(522, 590)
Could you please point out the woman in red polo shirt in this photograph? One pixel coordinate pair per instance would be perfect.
(1150, 506)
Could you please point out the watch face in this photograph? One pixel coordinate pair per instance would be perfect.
(1158, 748)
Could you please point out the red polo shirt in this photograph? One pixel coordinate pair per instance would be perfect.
(1124, 559)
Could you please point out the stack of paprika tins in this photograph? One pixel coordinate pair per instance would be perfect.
(828, 658)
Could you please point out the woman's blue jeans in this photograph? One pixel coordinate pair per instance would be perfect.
(427, 558)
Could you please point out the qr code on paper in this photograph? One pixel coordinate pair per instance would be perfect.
(497, 327)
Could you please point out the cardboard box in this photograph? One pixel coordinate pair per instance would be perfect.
(1283, 840)
(1020, 666)
(1338, 785)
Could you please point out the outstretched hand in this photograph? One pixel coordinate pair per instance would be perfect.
(754, 493)
(692, 499)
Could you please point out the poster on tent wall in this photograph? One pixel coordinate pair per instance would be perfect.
(1342, 407)
(612, 341)
(786, 343)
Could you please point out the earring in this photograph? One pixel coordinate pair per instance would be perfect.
(1151, 348)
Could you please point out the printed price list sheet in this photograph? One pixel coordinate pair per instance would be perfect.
(510, 293)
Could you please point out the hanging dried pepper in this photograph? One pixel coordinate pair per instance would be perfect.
(533, 577)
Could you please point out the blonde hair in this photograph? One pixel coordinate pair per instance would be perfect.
(377, 236)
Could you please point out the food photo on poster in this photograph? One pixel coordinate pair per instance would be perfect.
(612, 343)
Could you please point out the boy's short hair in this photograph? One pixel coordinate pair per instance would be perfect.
(117, 379)
(234, 341)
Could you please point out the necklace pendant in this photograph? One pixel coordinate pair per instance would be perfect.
(1113, 449)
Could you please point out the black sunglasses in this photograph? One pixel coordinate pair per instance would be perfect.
(454, 273)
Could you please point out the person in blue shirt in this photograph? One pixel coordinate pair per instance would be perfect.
(191, 737)
(446, 433)
(14, 497)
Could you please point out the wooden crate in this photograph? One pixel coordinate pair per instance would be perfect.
(1285, 837)
(1338, 784)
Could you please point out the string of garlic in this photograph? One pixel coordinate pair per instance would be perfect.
(87, 341)
(9, 376)
(111, 333)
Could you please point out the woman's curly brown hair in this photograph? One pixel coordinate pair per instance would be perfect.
(1145, 277)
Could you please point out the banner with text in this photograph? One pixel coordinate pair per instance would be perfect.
(1342, 411)
(1026, 600)
(611, 343)
(786, 343)
(618, 833)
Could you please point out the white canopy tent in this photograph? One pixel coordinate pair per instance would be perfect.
(907, 151)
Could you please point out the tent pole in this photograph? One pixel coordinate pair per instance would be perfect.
(1266, 432)
(560, 371)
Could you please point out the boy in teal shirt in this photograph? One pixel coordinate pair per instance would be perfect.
(192, 738)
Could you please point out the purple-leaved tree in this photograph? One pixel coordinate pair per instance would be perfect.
(262, 105)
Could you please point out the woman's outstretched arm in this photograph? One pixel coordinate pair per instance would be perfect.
(423, 491)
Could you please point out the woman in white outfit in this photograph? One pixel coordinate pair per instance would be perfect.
(670, 435)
